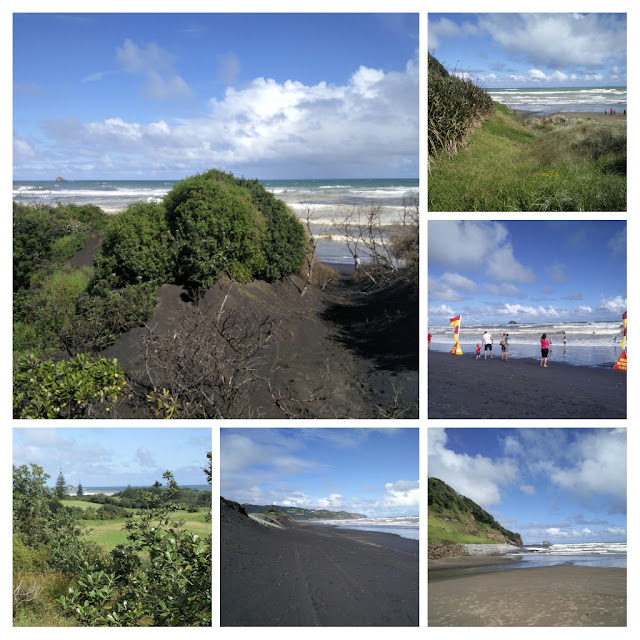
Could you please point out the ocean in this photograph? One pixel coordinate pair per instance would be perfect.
(557, 99)
(109, 491)
(404, 526)
(588, 554)
(327, 200)
(593, 344)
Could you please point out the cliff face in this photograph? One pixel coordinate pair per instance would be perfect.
(454, 518)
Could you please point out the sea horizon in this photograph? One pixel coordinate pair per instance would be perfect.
(403, 526)
(327, 200)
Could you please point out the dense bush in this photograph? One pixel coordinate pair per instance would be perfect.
(75, 388)
(285, 239)
(138, 248)
(217, 228)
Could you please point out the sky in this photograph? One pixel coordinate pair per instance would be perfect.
(164, 96)
(104, 457)
(532, 50)
(559, 485)
(527, 271)
(373, 472)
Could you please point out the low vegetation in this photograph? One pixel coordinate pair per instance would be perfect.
(496, 161)
(152, 570)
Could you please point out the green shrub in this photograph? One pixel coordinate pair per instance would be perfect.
(28, 559)
(76, 388)
(138, 248)
(217, 228)
(64, 247)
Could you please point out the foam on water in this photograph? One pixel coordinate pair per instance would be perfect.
(404, 526)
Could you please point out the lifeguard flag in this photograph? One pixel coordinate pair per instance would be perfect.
(454, 321)
(621, 364)
(456, 351)
(624, 335)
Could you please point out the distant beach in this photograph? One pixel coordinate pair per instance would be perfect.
(463, 387)
(548, 100)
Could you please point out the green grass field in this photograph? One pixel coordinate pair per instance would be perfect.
(442, 529)
(555, 164)
(110, 533)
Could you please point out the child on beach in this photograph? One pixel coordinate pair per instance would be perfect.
(478, 351)
(544, 350)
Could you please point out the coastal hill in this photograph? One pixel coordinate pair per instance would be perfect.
(484, 156)
(455, 520)
(298, 513)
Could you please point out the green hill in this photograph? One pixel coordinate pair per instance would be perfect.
(456, 518)
(297, 513)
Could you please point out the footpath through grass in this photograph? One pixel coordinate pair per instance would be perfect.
(555, 163)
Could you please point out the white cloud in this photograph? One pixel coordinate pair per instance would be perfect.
(403, 493)
(528, 489)
(155, 64)
(448, 285)
(445, 28)
(477, 477)
(615, 305)
(228, 67)
(144, 457)
(503, 266)
(558, 39)
(368, 126)
(599, 467)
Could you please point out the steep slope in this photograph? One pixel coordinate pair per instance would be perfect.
(455, 519)
(297, 513)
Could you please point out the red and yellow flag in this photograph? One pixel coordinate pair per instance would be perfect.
(455, 322)
(621, 363)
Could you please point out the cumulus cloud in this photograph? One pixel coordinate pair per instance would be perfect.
(447, 286)
(599, 467)
(368, 126)
(402, 493)
(615, 305)
(477, 477)
(559, 39)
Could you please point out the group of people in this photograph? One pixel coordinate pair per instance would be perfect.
(613, 112)
(487, 341)
(545, 346)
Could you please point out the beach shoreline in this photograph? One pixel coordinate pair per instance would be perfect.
(315, 575)
(463, 387)
(598, 116)
(565, 596)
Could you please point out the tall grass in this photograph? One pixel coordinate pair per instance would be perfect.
(456, 106)
(553, 163)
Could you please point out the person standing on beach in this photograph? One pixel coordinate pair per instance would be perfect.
(487, 341)
(356, 261)
(478, 351)
(544, 350)
(504, 343)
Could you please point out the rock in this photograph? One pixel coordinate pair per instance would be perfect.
(446, 550)
(512, 322)
(60, 179)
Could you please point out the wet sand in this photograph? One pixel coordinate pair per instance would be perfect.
(315, 575)
(570, 596)
(462, 387)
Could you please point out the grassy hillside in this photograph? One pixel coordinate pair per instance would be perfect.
(456, 518)
(501, 162)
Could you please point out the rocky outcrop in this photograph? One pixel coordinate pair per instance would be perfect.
(446, 550)
(488, 549)
(60, 179)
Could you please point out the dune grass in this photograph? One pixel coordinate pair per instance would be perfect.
(548, 164)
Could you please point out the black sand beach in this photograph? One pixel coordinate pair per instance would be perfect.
(560, 596)
(463, 387)
(314, 575)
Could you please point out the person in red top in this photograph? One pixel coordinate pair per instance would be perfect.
(544, 349)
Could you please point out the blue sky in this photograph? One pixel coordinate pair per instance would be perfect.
(532, 50)
(163, 96)
(527, 271)
(560, 485)
(114, 457)
(368, 471)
